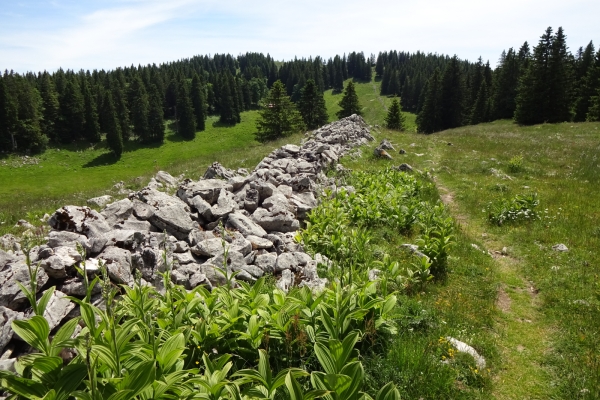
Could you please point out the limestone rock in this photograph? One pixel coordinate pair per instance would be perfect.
(245, 225)
(118, 263)
(100, 201)
(79, 219)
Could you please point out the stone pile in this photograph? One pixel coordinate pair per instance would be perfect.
(238, 221)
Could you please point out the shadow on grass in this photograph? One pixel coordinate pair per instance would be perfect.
(219, 124)
(102, 160)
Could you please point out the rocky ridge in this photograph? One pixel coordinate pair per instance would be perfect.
(239, 221)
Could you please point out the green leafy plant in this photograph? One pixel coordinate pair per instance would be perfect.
(520, 208)
(515, 164)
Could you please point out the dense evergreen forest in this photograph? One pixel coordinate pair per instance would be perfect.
(543, 84)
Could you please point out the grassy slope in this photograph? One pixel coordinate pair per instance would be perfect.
(548, 316)
(540, 339)
(72, 174)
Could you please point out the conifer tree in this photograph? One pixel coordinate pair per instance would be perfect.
(114, 140)
(156, 124)
(72, 112)
(91, 126)
(51, 107)
(279, 117)
(505, 83)
(452, 96)
(379, 66)
(587, 85)
(198, 102)
(349, 102)
(312, 106)
(186, 121)
(560, 80)
(394, 118)
(479, 111)
(122, 111)
(594, 110)
(9, 118)
(139, 108)
(429, 118)
(533, 92)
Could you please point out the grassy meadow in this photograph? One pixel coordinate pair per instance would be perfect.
(531, 311)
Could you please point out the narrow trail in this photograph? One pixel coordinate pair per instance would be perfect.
(521, 332)
(379, 97)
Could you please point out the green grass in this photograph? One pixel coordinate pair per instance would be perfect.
(546, 332)
(72, 174)
(534, 314)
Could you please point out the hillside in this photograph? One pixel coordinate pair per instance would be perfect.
(531, 311)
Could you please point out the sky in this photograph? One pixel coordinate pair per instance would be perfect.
(37, 35)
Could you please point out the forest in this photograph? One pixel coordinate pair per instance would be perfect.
(546, 83)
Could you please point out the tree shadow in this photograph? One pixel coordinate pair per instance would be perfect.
(104, 159)
(219, 124)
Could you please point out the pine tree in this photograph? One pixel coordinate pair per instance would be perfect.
(114, 140)
(279, 117)
(9, 118)
(349, 102)
(429, 118)
(91, 126)
(156, 123)
(198, 102)
(394, 119)
(312, 106)
(51, 107)
(186, 121)
(139, 109)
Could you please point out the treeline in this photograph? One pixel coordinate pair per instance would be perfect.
(133, 103)
(546, 84)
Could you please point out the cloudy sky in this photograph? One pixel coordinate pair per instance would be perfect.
(74, 34)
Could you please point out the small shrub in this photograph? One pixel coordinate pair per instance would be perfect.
(519, 208)
(515, 164)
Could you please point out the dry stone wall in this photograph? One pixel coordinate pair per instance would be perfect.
(242, 221)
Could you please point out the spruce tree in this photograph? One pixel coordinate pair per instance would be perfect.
(479, 111)
(9, 118)
(506, 80)
(560, 80)
(594, 110)
(349, 102)
(139, 109)
(429, 118)
(452, 95)
(279, 117)
(91, 126)
(51, 107)
(114, 140)
(156, 123)
(312, 106)
(533, 92)
(186, 121)
(72, 112)
(198, 102)
(394, 118)
(587, 86)
(122, 112)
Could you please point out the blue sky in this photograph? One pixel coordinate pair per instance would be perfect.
(37, 35)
